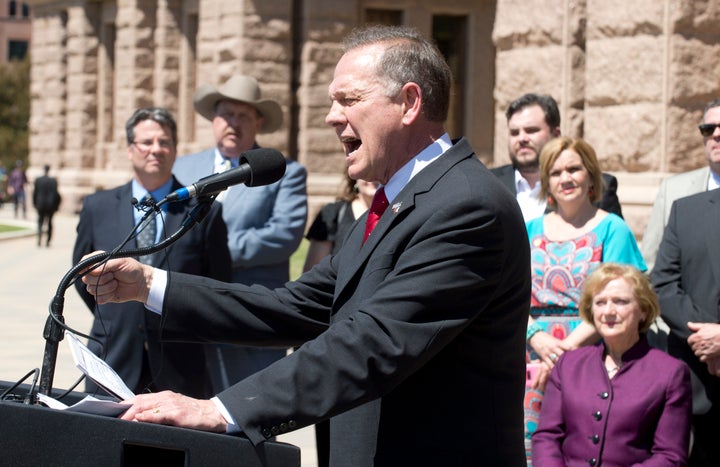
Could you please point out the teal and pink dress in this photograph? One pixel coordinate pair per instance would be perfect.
(558, 273)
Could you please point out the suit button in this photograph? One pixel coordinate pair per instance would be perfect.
(292, 423)
(275, 430)
(597, 415)
(604, 395)
(283, 427)
(595, 439)
(592, 461)
(266, 433)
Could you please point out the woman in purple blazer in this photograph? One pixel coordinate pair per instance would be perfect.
(619, 402)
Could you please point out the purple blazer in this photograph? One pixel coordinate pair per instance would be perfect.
(642, 415)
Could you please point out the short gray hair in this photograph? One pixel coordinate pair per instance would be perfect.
(408, 57)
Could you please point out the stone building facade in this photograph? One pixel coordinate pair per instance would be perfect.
(631, 77)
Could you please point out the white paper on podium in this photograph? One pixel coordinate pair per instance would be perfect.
(96, 369)
(89, 404)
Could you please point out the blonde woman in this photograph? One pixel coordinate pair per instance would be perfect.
(619, 402)
(566, 245)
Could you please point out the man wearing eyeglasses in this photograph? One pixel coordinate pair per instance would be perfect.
(685, 184)
(126, 335)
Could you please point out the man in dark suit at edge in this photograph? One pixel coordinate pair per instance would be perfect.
(686, 277)
(533, 120)
(412, 341)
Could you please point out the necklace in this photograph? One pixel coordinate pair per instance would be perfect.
(611, 370)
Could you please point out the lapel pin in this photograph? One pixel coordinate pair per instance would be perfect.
(396, 207)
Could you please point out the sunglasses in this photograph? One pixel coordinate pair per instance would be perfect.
(707, 129)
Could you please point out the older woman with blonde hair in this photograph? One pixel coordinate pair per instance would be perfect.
(619, 402)
(567, 244)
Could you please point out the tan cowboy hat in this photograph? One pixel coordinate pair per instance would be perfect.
(243, 89)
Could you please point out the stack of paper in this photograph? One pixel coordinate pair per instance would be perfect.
(102, 374)
(97, 370)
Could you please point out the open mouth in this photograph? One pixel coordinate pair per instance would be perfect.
(351, 145)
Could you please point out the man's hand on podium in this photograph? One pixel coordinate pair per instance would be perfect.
(119, 280)
(171, 408)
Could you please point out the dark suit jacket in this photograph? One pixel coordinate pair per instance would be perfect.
(686, 277)
(415, 340)
(46, 197)
(105, 221)
(609, 201)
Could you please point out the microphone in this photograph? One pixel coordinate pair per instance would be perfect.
(261, 166)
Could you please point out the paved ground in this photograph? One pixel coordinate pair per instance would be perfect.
(30, 278)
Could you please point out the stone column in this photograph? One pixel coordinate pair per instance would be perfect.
(47, 88)
(324, 27)
(168, 39)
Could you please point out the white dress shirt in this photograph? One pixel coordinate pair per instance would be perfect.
(529, 198)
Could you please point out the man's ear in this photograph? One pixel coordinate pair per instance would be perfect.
(411, 94)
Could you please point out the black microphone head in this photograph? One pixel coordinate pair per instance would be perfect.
(267, 165)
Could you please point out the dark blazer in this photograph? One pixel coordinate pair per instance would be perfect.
(105, 220)
(686, 277)
(609, 201)
(46, 197)
(641, 416)
(413, 342)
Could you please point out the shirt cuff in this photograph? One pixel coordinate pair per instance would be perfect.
(232, 427)
(156, 296)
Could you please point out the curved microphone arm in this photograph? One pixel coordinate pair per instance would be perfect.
(55, 324)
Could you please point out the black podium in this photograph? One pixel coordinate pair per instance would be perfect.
(33, 435)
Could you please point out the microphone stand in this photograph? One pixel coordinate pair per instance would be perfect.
(55, 324)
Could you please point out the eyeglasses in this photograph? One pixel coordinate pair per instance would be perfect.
(146, 146)
(707, 129)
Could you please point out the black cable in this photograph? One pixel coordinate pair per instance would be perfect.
(31, 395)
(54, 326)
(19, 382)
(67, 392)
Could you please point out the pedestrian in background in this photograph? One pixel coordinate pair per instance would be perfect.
(46, 199)
(16, 187)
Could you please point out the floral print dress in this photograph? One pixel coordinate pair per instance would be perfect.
(559, 269)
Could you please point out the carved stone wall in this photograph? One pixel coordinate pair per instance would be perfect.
(630, 77)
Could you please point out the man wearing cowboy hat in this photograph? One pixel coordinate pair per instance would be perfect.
(265, 224)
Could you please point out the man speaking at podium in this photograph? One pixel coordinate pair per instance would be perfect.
(412, 338)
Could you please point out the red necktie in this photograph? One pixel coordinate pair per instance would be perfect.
(379, 204)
